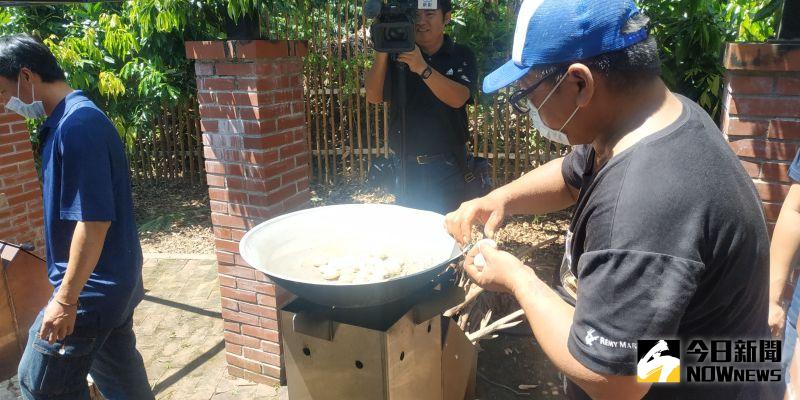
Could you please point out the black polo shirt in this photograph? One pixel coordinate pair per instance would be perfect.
(432, 126)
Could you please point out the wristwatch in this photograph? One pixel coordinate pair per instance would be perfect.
(426, 73)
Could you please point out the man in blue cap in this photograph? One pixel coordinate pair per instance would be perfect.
(668, 239)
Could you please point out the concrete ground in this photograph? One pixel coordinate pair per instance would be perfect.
(179, 332)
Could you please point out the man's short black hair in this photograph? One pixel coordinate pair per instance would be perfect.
(446, 6)
(625, 68)
(23, 51)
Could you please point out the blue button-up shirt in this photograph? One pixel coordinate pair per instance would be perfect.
(85, 178)
(794, 169)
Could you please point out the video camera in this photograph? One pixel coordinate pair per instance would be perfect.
(393, 28)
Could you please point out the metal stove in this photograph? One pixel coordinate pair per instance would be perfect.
(396, 351)
(374, 341)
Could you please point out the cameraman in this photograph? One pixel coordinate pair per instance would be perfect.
(440, 82)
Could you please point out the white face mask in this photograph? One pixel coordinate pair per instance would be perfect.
(34, 110)
(557, 136)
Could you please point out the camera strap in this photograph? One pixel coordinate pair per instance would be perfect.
(460, 153)
(459, 132)
(459, 148)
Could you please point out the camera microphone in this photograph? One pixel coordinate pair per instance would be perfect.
(372, 8)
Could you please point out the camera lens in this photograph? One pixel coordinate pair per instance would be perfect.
(396, 34)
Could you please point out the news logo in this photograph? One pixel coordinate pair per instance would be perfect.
(729, 361)
(659, 361)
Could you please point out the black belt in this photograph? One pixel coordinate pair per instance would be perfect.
(423, 159)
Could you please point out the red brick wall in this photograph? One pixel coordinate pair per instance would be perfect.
(21, 213)
(257, 163)
(761, 115)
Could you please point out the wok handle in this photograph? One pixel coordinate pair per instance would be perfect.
(446, 277)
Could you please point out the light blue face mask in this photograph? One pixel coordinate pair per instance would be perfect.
(34, 110)
(557, 136)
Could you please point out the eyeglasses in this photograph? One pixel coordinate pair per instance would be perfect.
(519, 99)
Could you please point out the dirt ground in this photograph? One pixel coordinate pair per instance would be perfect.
(175, 218)
(509, 361)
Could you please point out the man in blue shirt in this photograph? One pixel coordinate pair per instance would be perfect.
(94, 260)
(783, 252)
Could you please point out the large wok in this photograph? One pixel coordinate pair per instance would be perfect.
(281, 247)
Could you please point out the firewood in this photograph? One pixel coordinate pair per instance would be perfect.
(502, 323)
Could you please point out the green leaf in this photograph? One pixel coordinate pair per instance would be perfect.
(110, 85)
(768, 10)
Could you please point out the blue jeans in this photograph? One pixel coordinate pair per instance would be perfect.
(58, 371)
(790, 333)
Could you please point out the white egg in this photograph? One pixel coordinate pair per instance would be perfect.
(346, 278)
(392, 267)
(329, 272)
(479, 261)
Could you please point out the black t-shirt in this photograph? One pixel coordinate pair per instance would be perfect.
(669, 241)
(432, 126)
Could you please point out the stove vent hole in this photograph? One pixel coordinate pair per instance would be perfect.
(359, 364)
(306, 351)
(402, 355)
(429, 327)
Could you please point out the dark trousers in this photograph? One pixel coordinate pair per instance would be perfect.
(438, 185)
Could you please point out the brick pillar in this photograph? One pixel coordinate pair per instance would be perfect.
(257, 163)
(21, 213)
(761, 115)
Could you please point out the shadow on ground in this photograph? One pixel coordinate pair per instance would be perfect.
(510, 361)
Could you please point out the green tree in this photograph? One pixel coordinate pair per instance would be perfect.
(129, 57)
(692, 35)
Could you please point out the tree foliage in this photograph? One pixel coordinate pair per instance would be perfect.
(692, 34)
(130, 56)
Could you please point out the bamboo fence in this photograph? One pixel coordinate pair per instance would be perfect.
(347, 134)
(171, 149)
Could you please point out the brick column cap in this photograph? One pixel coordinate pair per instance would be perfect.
(245, 49)
(776, 57)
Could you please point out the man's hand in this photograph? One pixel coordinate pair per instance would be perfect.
(502, 273)
(414, 60)
(488, 211)
(58, 322)
(84, 252)
(777, 319)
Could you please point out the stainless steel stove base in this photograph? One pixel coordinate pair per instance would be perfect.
(407, 361)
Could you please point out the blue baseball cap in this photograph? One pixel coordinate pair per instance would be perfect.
(559, 31)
